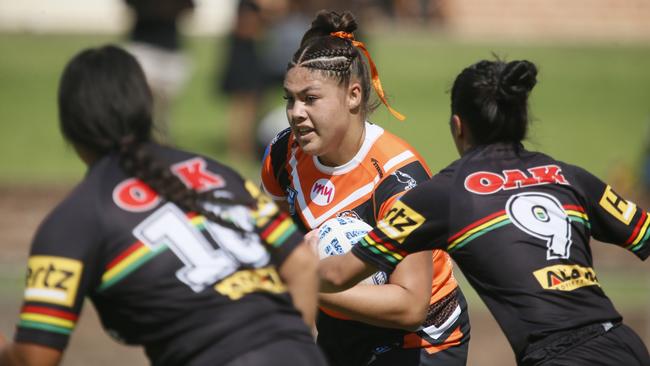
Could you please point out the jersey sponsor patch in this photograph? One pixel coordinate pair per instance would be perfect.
(53, 280)
(400, 222)
(246, 281)
(322, 192)
(483, 182)
(617, 206)
(134, 195)
(195, 174)
(564, 277)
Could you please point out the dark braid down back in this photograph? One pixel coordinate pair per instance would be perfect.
(105, 106)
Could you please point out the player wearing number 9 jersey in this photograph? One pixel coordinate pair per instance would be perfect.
(176, 251)
(518, 225)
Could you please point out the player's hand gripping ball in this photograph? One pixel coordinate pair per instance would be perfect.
(337, 236)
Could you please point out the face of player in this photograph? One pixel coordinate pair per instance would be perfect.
(323, 115)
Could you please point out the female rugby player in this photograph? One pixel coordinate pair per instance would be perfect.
(333, 162)
(518, 224)
(177, 252)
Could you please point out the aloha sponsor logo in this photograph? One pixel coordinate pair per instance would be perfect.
(564, 277)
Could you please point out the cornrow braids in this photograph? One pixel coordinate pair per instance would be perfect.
(137, 161)
(336, 60)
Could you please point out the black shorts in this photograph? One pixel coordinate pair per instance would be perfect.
(286, 352)
(453, 356)
(615, 346)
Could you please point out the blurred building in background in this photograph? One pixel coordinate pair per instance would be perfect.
(555, 19)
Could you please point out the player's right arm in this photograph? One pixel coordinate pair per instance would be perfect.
(59, 274)
(21, 354)
(416, 222)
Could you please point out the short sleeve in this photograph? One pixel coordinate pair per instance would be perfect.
(60, 272)
(418, 221)
(397, 183)
(612, 218)
(275, 227)
(273, 166)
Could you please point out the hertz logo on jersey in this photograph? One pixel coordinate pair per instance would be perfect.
(618, 207)
(564, 277)
(52, 280)
(400, 221)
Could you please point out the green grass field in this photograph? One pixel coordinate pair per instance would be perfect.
(591, 106)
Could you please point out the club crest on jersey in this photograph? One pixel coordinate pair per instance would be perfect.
(405, 179)
(483, 182)
(322, 192)
(349, 213)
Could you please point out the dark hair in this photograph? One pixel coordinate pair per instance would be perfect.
(491, 97)
(334, 57)
(105, 106)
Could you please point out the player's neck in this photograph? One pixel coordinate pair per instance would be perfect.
(347, 148)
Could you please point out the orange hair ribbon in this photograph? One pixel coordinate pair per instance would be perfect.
(373, 71)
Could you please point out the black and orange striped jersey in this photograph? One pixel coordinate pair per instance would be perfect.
(190, 291)
(383, 169)
(518, 224)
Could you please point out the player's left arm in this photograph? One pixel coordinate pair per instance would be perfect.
(614, 219)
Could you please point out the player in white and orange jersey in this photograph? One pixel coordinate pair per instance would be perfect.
(332, 162)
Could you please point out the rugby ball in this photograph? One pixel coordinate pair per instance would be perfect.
(337, 236)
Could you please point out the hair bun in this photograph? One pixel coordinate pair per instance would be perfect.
(330, 21)
(517, 79)
(327, 22)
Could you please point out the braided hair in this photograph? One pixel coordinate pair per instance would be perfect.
(334, 57)
(105, 106)
(492, 98)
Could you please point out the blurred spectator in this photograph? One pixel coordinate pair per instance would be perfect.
(154, 41)
(242, 79)
(263, 38)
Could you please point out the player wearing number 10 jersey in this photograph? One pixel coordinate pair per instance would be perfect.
(177, 252)
(518, 225)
